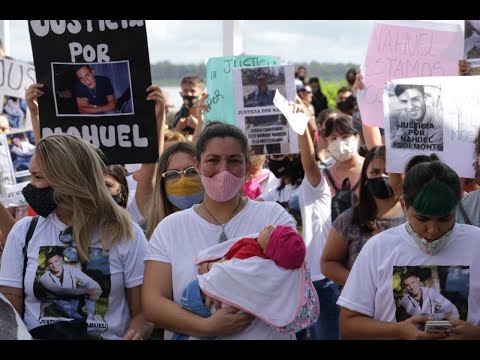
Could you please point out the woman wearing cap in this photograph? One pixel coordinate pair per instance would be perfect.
(81, 224)
(430, 242)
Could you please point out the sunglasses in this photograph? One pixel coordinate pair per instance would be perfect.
(70, 253)
(172, 176)
(66, 236)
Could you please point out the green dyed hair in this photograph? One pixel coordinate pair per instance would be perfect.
(432, 188)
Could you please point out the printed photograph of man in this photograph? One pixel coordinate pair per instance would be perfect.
(428, 290)
(92, 89)
(416, 120)
(259, 85)
(21, 151)
(15, 109)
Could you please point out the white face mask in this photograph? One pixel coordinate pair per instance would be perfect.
(343, 150)
(429, 247)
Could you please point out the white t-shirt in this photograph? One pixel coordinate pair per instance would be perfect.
(132, 208)
(369, 288)
(315, 209)
(181, 236)
(121, 267)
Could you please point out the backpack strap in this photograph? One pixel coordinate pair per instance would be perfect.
(464, 214)
(31, 230)
(330, 178)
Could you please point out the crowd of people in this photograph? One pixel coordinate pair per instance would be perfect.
(215, 242)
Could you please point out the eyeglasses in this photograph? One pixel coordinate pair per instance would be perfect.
(172, 176)
(66, 236)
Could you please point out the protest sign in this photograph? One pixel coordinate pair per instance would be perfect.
(262, 122)
(96, 73)
(219, 78)
(406, 49)
(432, 115)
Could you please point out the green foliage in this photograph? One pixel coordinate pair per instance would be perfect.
(332, 76)
(330, 90)
(165, 73)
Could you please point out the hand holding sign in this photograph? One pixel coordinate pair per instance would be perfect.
(297, 120)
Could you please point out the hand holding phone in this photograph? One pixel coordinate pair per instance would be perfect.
(437, 326)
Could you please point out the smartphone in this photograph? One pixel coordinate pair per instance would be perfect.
(437, 326)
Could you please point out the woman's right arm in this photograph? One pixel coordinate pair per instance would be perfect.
(146, 174)
(159, 308)
(31, 96)
(334, 257)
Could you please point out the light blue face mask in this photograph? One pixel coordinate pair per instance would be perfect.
(183, 202)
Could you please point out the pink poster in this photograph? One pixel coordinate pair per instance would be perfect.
(405, 50)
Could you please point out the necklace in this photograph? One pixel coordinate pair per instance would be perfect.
(223, 236)
(93, 92)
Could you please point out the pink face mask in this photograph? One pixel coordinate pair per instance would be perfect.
(223, 186)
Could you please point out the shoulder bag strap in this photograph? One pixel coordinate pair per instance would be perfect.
(31, 230)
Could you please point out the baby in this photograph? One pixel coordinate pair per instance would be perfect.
(282, 244)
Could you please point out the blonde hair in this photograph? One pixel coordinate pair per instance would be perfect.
(159, 206)
(174, 135)
(75, 170)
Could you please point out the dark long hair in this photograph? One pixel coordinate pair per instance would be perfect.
(365, 210)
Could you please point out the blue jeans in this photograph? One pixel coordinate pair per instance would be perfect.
(327, 326)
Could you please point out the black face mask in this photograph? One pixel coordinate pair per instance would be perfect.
(281, 168)
(119, 200)
(380, 188)
(40, 199)
(190, 101)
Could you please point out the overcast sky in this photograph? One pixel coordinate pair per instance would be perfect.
(193, 41)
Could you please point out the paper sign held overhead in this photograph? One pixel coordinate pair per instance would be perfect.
(297, 121)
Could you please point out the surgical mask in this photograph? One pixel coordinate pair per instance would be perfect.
(379, 187)
(190, 101)
(281, 168)
(40, 199)
(343, 150)
(185, 192)
(223, 186)
(429, 247)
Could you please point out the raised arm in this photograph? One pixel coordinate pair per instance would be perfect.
(201, 107)
(31, 96)
(307, 151)
(146, 174)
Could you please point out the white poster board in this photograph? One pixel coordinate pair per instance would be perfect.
(16, 151)
(262, 122)
(432, 115)
(15, 78)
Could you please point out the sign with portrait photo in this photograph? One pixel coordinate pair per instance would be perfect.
(472, 45)
(15, 78)
(262, 122)
(432, 115)
(221, 99)
(96, 73)
(16, 151)
(405, 49)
